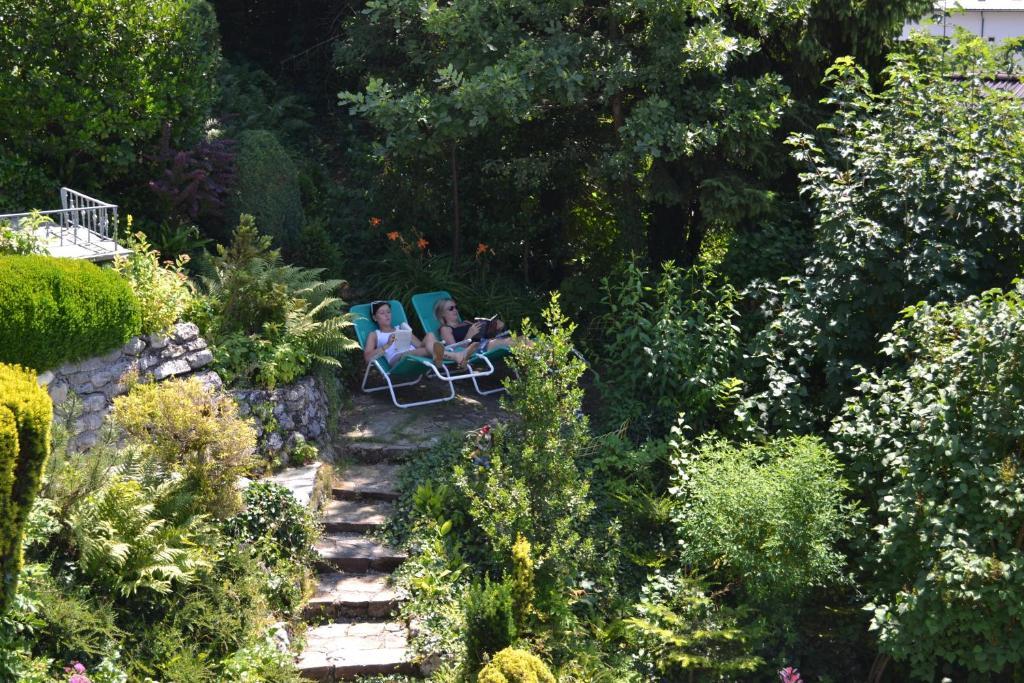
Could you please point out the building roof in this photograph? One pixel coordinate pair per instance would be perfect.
(981, 5)
(1006, 82)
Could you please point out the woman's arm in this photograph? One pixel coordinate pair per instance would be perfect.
(370, 352)
(447, 335)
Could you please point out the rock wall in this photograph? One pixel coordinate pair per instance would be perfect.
(287, 416)
(96, 381)
(283, 418)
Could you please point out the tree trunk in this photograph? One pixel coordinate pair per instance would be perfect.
(666, 232)
(676, 229)
(457, 236)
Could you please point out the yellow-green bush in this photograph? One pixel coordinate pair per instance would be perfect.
(195, 431)
(515, 666)
(523, 591)
(25, 416)
(163, 290)
(55, 310)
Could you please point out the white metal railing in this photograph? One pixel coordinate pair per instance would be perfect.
(82, 221)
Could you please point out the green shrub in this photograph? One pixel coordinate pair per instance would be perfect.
(24, 240)
(490, 620)
(677, 630)
(935, 444)
(70, 621)
(515, 666)
(270, 323)
(276, 525)
(667, 346)
(25, 416)
(766, 518)
(204, 623)
(524, 479)
(53, 311)
(268, 186)
(194, 431)
(261, 662)
(163, 291)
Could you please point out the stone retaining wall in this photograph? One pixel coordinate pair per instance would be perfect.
(96, 381)
(278, 416)
(283, 415)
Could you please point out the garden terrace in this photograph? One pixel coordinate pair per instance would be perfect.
(83, 228)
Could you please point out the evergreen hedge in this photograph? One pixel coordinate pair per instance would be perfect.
(268, 186)
(54, 311)
(25, 416)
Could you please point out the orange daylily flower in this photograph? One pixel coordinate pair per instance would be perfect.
(375, 222)
(482, 249)
(422, 243)
(393, 235)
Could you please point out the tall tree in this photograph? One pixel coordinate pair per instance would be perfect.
(916, 189)
(673, 112)
(87, 86)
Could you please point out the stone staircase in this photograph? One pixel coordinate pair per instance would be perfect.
(354, 603)
(353, 630)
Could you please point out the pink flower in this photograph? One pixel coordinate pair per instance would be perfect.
(77, 671)
(790, 675)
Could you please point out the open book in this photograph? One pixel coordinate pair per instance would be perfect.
(403, 336)
(489, 328)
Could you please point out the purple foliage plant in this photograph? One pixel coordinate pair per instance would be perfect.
(194, 183)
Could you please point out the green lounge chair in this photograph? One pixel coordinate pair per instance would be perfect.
(408, 371)
(423, 304)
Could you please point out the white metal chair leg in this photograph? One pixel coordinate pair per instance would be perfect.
(391, 386)
(476, 384)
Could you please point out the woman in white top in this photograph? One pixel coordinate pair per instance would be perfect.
(382, 341)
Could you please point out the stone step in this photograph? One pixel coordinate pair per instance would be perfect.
(356, 515)
(346, 650)
(373, 453)
(357, 554)
(341, 595)
(377, 482)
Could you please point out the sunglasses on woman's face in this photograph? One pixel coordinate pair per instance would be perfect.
(451, 308)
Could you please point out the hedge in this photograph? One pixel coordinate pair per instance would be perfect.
(25, 416)
(268, 186)
(54, 311)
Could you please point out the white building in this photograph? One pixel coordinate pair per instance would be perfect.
(995, 20)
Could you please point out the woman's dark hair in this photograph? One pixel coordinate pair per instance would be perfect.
(376, 306)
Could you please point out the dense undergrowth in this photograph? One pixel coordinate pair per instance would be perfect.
(801, 447)
(141, 565)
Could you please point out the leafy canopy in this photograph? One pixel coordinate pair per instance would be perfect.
(85, 87)
(916, 193)
(934, 441)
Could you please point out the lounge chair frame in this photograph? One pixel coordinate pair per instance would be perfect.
(423, 304)
(407, 366)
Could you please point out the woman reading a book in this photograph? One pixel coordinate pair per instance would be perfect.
(394, 343)
(489, 333)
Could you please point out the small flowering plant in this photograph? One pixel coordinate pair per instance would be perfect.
(790, 675)
(77, 672)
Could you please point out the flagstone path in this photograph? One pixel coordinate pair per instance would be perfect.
(354, 628)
